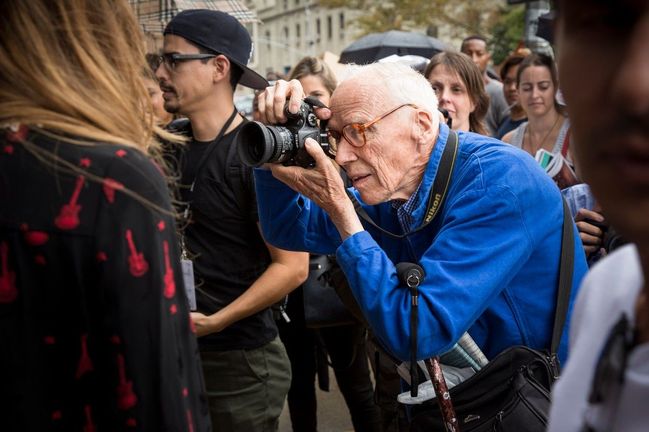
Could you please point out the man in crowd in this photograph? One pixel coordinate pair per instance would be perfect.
(476, 48)
(490, 256)
(238, 276)
(603, 61)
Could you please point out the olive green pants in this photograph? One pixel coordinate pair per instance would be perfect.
(246, 389)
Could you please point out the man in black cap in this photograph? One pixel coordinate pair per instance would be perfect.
(237, 275)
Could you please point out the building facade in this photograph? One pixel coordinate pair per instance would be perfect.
(292, 29)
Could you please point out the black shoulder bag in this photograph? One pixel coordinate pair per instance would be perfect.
(512, 392)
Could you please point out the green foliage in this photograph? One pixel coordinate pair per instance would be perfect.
(507, 32)
(464, 18)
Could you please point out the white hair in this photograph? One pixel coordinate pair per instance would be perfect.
(397, 83)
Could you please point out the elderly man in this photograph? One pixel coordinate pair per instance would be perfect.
(491, 255)
(604, 62)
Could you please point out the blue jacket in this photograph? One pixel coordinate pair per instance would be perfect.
(491, 256)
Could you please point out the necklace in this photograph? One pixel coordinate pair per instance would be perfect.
(533, 148)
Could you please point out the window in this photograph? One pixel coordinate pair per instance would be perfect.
(298, 34)
(329, 27)
(267, 35)
(317, 28)
(341, 17)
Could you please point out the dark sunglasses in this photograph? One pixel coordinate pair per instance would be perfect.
(171, 60)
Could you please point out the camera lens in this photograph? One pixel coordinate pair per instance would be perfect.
(259, 144)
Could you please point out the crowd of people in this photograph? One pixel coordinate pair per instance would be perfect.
(146, 271)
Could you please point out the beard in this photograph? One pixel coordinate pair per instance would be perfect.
(172, 106)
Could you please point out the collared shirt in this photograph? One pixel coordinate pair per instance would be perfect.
(404, 210)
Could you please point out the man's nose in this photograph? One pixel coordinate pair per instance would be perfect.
(630, 84)
(161, 73)
(344, 153)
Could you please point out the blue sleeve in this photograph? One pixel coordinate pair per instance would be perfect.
(483, 232)
(290, 221)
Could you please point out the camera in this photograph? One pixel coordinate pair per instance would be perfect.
(259, 144)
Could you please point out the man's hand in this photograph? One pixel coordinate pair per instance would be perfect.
(592, 236)
(271, 102)
(324, 186)
(205, 324)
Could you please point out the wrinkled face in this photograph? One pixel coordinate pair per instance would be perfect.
(313, 86)
(536, 91)
(510, 89)
(604, 64)
(187, 86)
(155, 94)
(380, 170)
(477, 50)
(452, 96)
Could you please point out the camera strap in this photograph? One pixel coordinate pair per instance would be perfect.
(436, 195)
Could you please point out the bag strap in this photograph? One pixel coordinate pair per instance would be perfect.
(566, 269)
(437, 192)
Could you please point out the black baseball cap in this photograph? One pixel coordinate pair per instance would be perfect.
(221, 33)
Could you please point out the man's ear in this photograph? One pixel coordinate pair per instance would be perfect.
(425, 127)
(221, 68)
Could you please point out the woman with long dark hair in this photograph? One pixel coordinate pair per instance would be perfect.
(460, 90)
(547, 126)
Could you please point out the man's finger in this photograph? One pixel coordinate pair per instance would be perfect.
(587, 228)
(588, 214)
(295, 92)
(322, 113)
(315, 151)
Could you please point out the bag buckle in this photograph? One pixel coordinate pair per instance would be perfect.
(554, 366)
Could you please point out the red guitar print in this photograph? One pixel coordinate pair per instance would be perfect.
(68, 217)
(89, 426)
(170, 284)
(136, 262)
(85, 364)
(126, 399)
(110, 186)
(8, 291)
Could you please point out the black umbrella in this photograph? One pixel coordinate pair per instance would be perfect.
(545, 28)
(376, 46)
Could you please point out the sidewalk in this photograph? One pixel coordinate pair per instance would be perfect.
(333, 415)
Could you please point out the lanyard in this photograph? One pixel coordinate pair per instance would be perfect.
(206, 155)
(437, 192)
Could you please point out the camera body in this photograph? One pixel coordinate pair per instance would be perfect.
(258, 144)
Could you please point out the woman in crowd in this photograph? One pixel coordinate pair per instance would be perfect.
(460, 90)
(155, 93)
(94, 324)
(547, 126)
(508, 75)
(345, 344)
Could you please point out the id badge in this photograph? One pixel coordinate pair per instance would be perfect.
(188, 278)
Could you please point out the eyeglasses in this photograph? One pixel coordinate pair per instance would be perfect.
(354, 133)
(171, 60)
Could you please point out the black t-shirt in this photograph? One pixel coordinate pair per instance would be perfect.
(222, 235)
